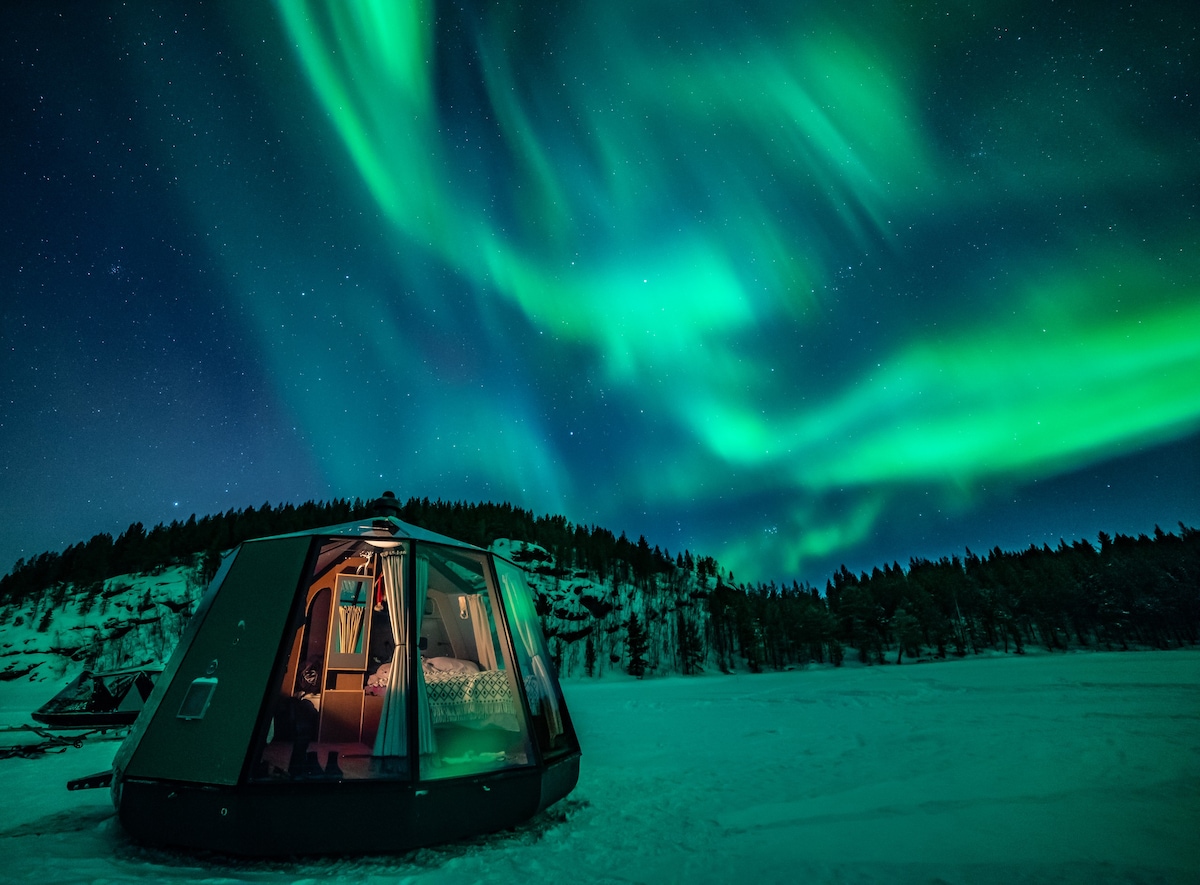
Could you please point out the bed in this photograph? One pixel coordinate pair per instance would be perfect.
(460, 693)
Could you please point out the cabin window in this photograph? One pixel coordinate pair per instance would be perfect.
(384, 633)
(325, 720)
(472, 719)
(196, 701)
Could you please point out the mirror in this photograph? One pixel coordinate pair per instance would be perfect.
(348, 622)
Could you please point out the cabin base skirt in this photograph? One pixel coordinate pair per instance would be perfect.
(336, 817)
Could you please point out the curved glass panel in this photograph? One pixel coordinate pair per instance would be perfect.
(469, 694)
(551, 724)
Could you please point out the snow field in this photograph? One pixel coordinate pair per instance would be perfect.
(1080, 768)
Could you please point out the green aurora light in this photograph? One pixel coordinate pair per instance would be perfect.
(676, 196)
(793, 285)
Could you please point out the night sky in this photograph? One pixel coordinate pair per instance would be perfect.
(794, 285)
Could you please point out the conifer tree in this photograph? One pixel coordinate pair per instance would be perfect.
(589, 657)
(687, 641)
(638, 645)
(908, 633)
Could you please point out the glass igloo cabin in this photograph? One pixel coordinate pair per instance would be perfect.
(364, 687)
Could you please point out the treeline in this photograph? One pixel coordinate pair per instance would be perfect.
(138, 550)
(609, 599)
(572, 547)
(1130, 591)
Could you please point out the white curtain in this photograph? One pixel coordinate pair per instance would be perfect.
(424, 713)
(523, 617)
(392, 738)
(484, 648)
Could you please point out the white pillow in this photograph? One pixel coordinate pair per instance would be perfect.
(450, 665)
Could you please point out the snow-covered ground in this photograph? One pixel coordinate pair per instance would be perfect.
(1080, 768)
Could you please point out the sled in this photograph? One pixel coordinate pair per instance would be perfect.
(100, 700)
(30, 741)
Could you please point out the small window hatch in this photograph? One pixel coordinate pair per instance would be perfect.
(195, 702)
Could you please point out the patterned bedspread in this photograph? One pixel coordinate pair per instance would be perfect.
(462, 697)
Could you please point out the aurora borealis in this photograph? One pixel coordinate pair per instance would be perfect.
(792, 285)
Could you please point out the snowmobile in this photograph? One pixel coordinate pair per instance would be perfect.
(100, 700)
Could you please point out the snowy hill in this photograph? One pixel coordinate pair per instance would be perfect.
(576, 606)
(134, 620)
(129, 620)
(687, 616)
(607, 602)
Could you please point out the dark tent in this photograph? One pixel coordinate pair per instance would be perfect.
(360, 688)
